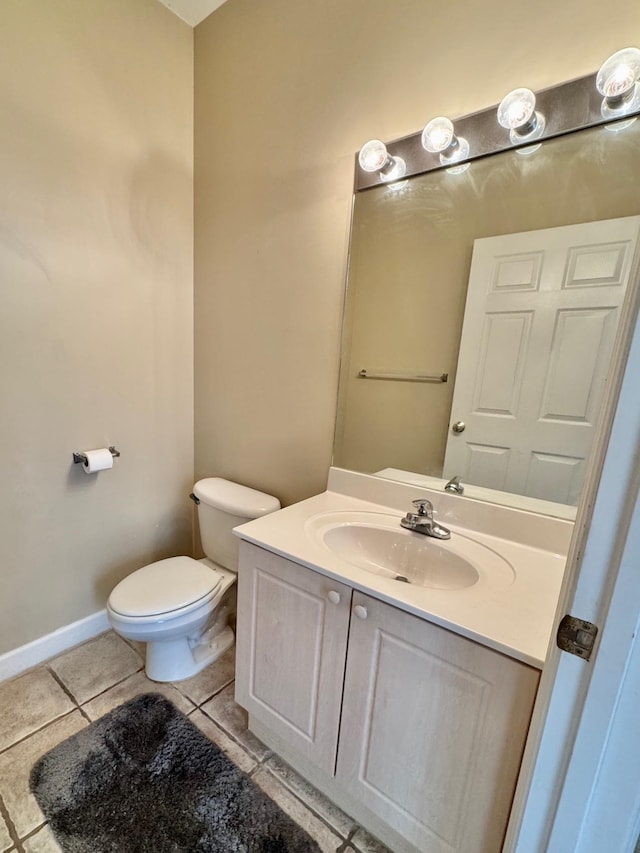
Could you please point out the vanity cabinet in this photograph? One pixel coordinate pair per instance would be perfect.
(414, 730)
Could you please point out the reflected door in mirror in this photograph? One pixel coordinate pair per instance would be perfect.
(540, 321)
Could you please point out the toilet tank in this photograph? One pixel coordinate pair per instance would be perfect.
(223, 506)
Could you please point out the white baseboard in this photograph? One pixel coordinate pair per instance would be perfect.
(23, 658)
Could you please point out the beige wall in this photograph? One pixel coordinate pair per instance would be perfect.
(95, 300)
(95, 247)
(286, 92)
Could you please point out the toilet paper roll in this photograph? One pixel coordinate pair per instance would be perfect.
(97, 460)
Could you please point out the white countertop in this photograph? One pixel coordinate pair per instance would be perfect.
(513, 617)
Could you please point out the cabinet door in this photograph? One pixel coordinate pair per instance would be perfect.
(433, 728)
(291, 648)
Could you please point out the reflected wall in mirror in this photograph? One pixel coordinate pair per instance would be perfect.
(526, 369)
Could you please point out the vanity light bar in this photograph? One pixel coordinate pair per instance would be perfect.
(596, 99)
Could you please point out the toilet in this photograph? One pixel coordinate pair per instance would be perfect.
(180, 606)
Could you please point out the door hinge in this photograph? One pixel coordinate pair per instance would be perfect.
(576, 636)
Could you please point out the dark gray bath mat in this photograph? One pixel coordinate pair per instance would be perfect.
(144, 779)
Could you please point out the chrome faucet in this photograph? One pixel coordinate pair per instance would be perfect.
(454, 485)
(422, 521)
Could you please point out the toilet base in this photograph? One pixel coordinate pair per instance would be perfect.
(177, 659)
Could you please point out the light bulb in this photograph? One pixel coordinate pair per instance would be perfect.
(516, 109)
(373, 156)
(618, 73)
(439, 137)
(517, 112)
(617, 81)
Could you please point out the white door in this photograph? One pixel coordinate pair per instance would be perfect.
(578, 790)
(540, 322)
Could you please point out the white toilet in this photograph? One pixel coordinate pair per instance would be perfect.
(179, 606)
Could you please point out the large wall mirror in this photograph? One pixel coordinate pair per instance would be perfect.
(507, 281)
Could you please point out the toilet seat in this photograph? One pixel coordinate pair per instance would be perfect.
(170, 587)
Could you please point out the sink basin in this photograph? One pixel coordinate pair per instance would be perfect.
(376, 543)
(421, 561)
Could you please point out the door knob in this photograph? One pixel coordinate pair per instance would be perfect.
(333, 596)
(458, 426)
(360, 611)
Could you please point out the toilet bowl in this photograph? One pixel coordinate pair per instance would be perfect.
(179, 606)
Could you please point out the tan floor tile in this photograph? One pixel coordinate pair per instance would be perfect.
(224, 711)
(326, 840)
(95, 666)
(316, 801)
(130, 687)
(141, 648)
(29, 702)
(212, 679)
(42, 842)
(363, 842)
(231, 749)
(5, 839)
(16, 764)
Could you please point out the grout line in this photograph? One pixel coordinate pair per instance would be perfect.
(38, 730)
(309, 807)
(33, 832)
(259, 763)
(107, 689)
(85, 715)
(236, 739)
(13, 832)
(344, 842)
(62, 685)
(347, 845)
(208, 698)
(193, 707)
(131, 646)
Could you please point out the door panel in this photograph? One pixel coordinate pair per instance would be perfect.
(583, 337)
(433, 727)
(274, 638)
(502, 361)
(557, 478)
(291, 648)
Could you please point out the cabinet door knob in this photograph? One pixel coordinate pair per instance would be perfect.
(360, 611)
(333, 596)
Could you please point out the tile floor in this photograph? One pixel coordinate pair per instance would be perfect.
(48, 704)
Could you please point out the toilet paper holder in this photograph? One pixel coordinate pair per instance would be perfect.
(81, 457)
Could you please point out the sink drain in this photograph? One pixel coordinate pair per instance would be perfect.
(402, 579)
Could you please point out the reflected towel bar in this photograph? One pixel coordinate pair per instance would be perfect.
(403, 377)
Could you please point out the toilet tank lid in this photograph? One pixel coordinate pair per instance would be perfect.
(234, 498)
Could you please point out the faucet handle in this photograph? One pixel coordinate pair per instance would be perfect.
(424, 507)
